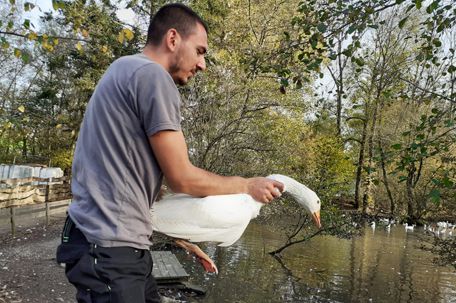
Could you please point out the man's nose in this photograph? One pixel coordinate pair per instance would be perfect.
(201, 65)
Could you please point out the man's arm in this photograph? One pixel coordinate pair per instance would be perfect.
(182, 176)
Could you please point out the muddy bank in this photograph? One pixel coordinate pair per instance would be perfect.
(28, 270)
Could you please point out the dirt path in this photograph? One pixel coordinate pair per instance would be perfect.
(28, 270)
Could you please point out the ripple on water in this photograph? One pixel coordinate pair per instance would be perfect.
(380, 266)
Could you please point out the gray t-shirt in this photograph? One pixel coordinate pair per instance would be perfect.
(116, 176)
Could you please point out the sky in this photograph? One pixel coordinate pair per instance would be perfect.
(41, 7)
(125, 15)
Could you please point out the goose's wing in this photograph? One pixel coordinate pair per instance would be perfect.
(221, 218)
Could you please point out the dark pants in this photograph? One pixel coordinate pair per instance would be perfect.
(106, 274)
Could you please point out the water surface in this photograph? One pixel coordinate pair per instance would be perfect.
(379, 266)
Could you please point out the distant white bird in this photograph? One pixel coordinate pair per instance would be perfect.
(443, 226)
(388, 227)
(220, 218)
(373, 225)
(409, 227)
(384, 221)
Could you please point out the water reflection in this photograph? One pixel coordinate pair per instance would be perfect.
(381, 266)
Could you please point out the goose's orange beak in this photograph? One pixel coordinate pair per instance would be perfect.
(316, 218)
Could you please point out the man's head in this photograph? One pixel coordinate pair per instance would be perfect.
(183, 34)
(177, 16)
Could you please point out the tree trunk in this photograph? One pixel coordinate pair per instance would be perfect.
(360, 164)
(24, 147)
(338, 78)
(383, 164)
(368, 199)
(340, 91)
(385, 178)
(410, 193)
(421, 203)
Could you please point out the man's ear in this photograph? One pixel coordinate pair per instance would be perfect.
(172, 39)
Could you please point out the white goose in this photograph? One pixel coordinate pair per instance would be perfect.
(221, 218)
(409, 227)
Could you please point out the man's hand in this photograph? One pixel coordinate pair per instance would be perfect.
(264, 189)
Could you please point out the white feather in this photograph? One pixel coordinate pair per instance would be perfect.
(221, 218)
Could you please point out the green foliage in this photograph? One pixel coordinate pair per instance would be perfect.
(431, 138)
(42, 118)
(333, 168)
(319, 160)
(79, 16)
(292, 141)
(63, 159)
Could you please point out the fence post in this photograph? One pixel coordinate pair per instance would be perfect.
(46, 202)
(13, 220)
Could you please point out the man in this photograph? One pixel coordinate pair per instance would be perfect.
(130, 138)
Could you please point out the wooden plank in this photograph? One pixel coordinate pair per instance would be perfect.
(54, 207)
(59, 198)
(34, 195)
(33, 199)
(58, 210)
(167, 268)
(39, 188)
(20, 192)
(57, 186)
(58, 204)
(26, 191)
(15, 181)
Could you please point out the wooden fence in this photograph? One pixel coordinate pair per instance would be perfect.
(41, 194)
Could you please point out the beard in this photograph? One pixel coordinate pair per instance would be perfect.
(175, 67)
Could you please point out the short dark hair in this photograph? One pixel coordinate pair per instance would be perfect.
(175, 15)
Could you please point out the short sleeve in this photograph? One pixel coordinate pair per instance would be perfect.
(155, 99)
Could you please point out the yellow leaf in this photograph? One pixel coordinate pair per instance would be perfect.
(21, 108)
(104, 48)
(121, 37)
(32, 36)
(5, 44)
(47, 46)
(56, 41)
(320, 45)
(79, 46)
(58, 126)
(17, 53)
(128, 34)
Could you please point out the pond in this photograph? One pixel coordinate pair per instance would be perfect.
(379, 266)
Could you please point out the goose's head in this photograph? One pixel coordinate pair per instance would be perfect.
(306, 197)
